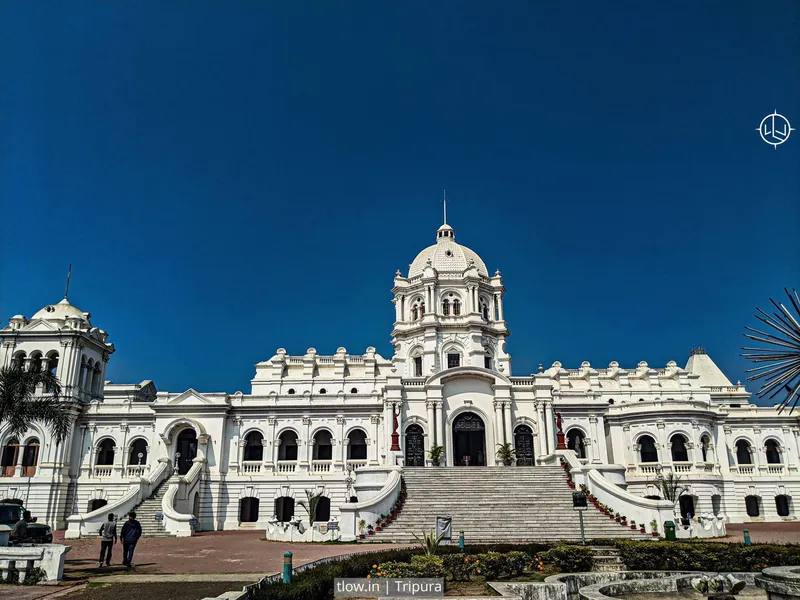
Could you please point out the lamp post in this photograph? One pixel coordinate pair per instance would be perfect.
(177, 459)
(140, 455)
(349, 482)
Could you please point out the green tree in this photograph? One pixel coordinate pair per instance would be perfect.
(310, 505)
(27, 397)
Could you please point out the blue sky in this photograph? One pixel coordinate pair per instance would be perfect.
(230, 178)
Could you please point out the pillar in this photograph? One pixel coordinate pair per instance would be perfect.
(397, 315)
(542, 429)
(548, 417)
(375, 420)
(507, 421)
(499, 301)
(432, 426)
(440, 434)
(498, 422)
(595, 435)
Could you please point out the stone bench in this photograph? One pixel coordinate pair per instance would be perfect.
(48, 557)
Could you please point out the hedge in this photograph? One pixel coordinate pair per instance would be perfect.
(570, 559)
(705, 556)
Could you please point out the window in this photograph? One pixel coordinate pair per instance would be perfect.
(575, 442)
(704, 446)
(687, 506)
(647, 449)
(485, 311)
(417, 366)
(291, 392)
(716, 504)
(105, 453)
(357, 446)
(421, 310)
(456, 307)
(453, 360)
(323, 450)
(30, 458)
(248, 510)
(773, 453)
(253, 446)
(323, 510)
(138, 447)
(679, 452)
(9, 457)
(752, 505)
(353, 390)
(445, 307)
(284, 508)
(487, 361)
(287, 450)
(323, 391)
(611, 401)
(414, 314)
(782, 505)
(743, 453)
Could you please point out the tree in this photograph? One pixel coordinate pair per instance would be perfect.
(310, 505)
(670, 487)
(21, 404)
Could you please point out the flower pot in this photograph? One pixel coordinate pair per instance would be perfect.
(641, 530)
(655, 534)
(379, 528)
(617, 519)
(633, 527)
(362, 536)
(624, 523)
(372, 532)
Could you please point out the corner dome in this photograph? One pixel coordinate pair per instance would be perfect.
(61, 312)
(447, 256)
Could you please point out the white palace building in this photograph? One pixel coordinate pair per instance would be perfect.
(194, 461)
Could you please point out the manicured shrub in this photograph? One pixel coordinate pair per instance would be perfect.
(569, 559)
(458, 566)
(705, 556)
(420, 566)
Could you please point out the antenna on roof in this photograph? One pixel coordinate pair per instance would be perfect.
(445, 206)
(69, 274)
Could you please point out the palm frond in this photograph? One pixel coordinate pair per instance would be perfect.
(27, 397)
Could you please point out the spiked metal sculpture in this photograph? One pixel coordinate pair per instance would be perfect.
(782, 368)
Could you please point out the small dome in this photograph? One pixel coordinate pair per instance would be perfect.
(60, 312)
(447, 256)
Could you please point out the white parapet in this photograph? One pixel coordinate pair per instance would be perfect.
(48, 557)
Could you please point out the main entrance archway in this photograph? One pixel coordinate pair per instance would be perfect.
(469, 440)
(523, 444)
(415, 446)
(187, 448)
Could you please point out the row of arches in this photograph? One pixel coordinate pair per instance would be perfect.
(106, 452)
(679, 450)
(322, 445)
(451, 357)
(451, 304)
(14, 454)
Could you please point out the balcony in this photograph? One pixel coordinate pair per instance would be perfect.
(136, 471)
(321, 466)
(287, 466)
(103, 472)
(682, 467)
(356, 462)
(251, 467)
(773, 469)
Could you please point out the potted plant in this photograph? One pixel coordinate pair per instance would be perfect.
(642, 529)
(370, 530)
(633, 525)
(624, 521)
(505, 454)
(617, 518)
(654, 527)
(436, 453)
(361, 525)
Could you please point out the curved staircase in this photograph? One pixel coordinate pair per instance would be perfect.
(147, 510)
(497, 504)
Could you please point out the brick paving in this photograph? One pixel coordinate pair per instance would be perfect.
(205, 553)
(764, 533)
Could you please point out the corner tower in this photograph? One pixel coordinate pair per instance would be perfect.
(448, 312)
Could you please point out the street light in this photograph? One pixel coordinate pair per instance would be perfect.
(177, 459)
(349, 481)
(140, 455)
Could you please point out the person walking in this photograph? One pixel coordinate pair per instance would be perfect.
(108, 537)
(130, 534)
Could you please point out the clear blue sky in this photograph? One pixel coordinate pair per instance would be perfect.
(228, 178)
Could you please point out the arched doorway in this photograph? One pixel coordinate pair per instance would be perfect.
(187, 448)
(415, 446)
(469, 440)
(523, 444)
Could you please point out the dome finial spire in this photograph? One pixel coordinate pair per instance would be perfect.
(69, 274)
(445, 207)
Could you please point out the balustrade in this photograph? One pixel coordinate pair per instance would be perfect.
(320, 466)
(103, 472)
(250, 467)
(287, 466)
(137, 471)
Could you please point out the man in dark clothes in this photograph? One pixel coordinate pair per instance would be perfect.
(108, 537)
(19, 535)
(131, 532)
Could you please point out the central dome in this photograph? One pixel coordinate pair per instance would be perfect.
(446, 256)
(61, 311)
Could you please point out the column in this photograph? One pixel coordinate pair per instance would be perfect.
(440, 435)
(665, 453)
(397, 315)
(499, 300)
(343, 449)
(240, 455)
(595, 435)
(548, 414)
(498, 422)
(388, 420)
(340, 456)
(375, 420)
(542, 429)
(266, 453)
(432, 427)
(309, 442)
(269, 447)
(507, 421)
(630, 459)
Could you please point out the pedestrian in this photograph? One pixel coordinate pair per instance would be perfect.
(130, 534)
(108, 537)
(19, 535)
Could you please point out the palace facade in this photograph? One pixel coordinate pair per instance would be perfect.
(242, 460)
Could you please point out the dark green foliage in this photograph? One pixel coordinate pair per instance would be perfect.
(34, 576)
(12, 577)
(458, 566)
(21, 402)
(427, 565)
(569, 559)
(705, 556)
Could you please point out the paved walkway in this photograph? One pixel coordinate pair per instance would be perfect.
(241, 552)
(764, 533)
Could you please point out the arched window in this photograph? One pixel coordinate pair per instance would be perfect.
(414, 313)
(575, 442)
(290, 392)
(752, 504)
(773, 452)
(284, 508)
(782, 505)
(248, 510)
(353, 390)
(323, 510)
(287, 449)
(35, 362)
(9, 457)
(716, 504)
(485, 310)
(647, 449)
(421, 309)
(357, 446)
(323, 391)
(52, 365)
(323, 449)
(18, 361)
(138, 447)
(687, 506)
(30, 458)
(679, 452)
(417, 309)
(743, 453)
(705, 444)
(445, 307)
(456, 307)
(105, 453)
(453, 359)
(254, 446)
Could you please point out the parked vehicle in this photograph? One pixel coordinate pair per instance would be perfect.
(11, 510)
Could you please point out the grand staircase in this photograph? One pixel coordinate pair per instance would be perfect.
(146, 512)
(496, 504)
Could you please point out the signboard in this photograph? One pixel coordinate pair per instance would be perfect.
(579, 501)
(333, 525)
(159, 516)
(444, 525)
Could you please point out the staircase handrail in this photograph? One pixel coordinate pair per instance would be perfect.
(636, 508)
(177, 523)
(370, 509)
(79, 525)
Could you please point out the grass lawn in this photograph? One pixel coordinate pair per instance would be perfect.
(155, 591)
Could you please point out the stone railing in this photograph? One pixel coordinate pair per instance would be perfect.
(180, 498)
(357, 462)
(774, 469)
(743, 470)
(81, 525)
(251, 467)
(48, 557)
(378, 489)
(286, 466)
(137, 471)
(321, 466)
(103, 471)
(682, 467)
